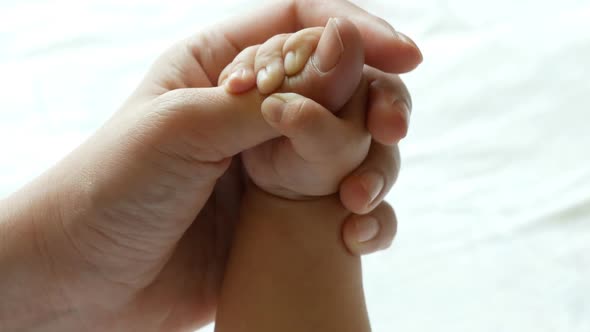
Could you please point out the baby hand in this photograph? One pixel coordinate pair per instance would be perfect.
(317, 149)
(318, 72)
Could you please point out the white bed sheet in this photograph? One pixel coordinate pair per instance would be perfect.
(494, 195)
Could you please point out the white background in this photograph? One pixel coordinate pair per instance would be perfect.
(494, 195)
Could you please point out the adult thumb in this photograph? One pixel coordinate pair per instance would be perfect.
(209, 124)
(135, 187)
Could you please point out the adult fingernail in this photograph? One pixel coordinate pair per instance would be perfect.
(273, 106)
(403, 37)
(404, 111)
(373, 184)
(387, 29)
(329, 49)
(366, 228)
(236, 77)
(409, 41)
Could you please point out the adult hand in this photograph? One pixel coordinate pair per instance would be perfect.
(134, 226)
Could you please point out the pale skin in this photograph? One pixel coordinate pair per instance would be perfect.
(131, 230)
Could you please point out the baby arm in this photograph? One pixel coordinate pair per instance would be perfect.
(288, 269)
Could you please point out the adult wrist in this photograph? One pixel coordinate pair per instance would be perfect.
(32, 294)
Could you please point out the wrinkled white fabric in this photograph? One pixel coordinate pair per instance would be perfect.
(494, 195)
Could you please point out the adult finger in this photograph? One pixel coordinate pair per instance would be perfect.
(207, 124)
(389, 107)
(366, 234)
(365, 188)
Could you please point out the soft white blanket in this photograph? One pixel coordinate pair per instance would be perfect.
(494, 195)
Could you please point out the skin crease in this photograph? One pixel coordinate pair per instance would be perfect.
(132, 229)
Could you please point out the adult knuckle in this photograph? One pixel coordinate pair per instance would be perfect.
(167, 103)
(302, 115)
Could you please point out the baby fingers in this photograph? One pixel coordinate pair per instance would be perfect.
(238, 76)
(317, 135)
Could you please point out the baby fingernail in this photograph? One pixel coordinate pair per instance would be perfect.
(329, 49)
(240, 80)
(234, 79)
(373, 184)
(270, 77)
(240, 73)
(262, 76)
(290, 63)
(295, 60)
(367, 228)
